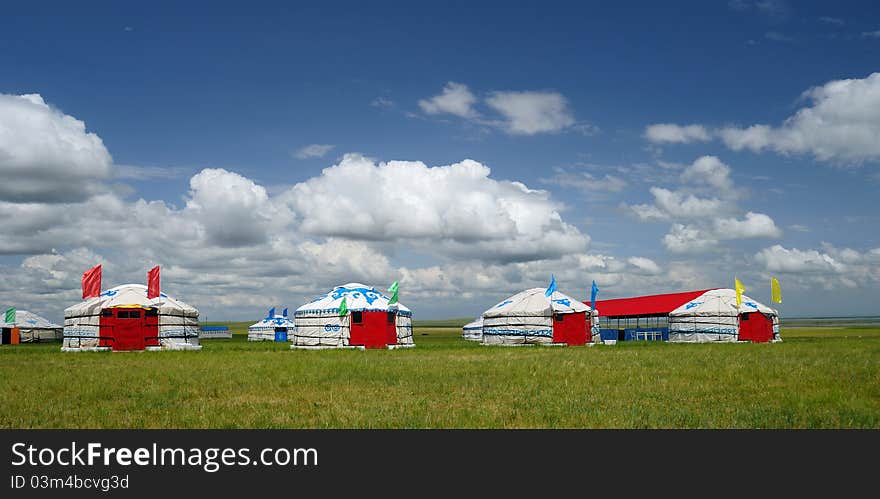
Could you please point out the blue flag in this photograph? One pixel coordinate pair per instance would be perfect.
(285, 312)
(593, 293)
(271, 313)
(552, 287)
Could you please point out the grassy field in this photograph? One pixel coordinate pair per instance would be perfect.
(817, 378)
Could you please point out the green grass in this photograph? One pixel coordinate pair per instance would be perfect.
(816, 378)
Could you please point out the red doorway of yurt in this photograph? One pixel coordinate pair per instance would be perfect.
(373, 329)
(755, 327)
(570, 328)
(128, 329)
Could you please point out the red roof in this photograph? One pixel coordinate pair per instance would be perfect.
(645, 305)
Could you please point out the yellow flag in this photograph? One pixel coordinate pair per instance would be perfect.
(775, 292)
(739, 291)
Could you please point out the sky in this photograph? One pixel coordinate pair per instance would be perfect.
(264, 152)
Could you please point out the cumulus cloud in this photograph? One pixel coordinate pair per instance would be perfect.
(233, 210)
(677, 134)
(456, 208)
(840, 124)
(47, 156)
(528, 113)
(313, 151)
(780, 259)
(703, 210)
(455, 99)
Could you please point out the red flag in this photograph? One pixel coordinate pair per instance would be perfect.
(91, 282)
(153, 282)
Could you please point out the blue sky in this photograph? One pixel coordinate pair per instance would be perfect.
(641, 132)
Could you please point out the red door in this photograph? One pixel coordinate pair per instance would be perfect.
(373, 329)
(128, 329)
(756, 327)
(570, 328)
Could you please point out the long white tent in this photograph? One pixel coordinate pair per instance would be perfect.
(532, 317)
(95, 324)
(473, 330)
(715, 316)
(266, 329)
(32, 328)
(368, 320)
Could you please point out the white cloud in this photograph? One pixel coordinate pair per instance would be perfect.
(704, 210)
(47, 156)
(529, 113)
(779, 37)
(754, 225)
(779, 259)
(841, 125)
(313, 151)
(586, 181)
(671, 133)
(455, 209)
(455, 99)
(644, 265)
(232, 210)
(871, 34)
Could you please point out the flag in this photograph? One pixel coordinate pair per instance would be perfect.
(593, 293)
(10, 315)
(284, 314)
(739, 291)
(271, 313)
(393, 291)
(91, 282)
(552, 287)
(343, 307)
(775, 292)
(153, 282)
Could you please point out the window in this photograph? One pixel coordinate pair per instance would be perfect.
(391, 316)
(559, 317)
(107, 312)
(744, 317)
(357, 317)
(122, 314)
(151, 312)
(134, 314)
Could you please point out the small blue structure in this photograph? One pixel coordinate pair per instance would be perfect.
(214, 332)
(273, 327)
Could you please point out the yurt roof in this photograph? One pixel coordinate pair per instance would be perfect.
(477, 324)
(359, 298)
(720, 302)
(276, 321)
(130, 295)
(533, 302)
(30, 320)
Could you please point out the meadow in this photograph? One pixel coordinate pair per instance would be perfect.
(818, 377)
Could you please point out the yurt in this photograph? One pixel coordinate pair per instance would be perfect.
(473, 330)
(715, 316)
(124, 319)
(32, 328)
(532, 317)
(365, 321)
(273, 327)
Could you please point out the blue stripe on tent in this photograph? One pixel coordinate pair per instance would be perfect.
(215, 328)
(518, 332)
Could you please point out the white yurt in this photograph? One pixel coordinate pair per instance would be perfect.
(273, 327)
(473, 330)
(32, 328)
(532, 317)
(368, 321)
(123, 318)
(715, 316)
